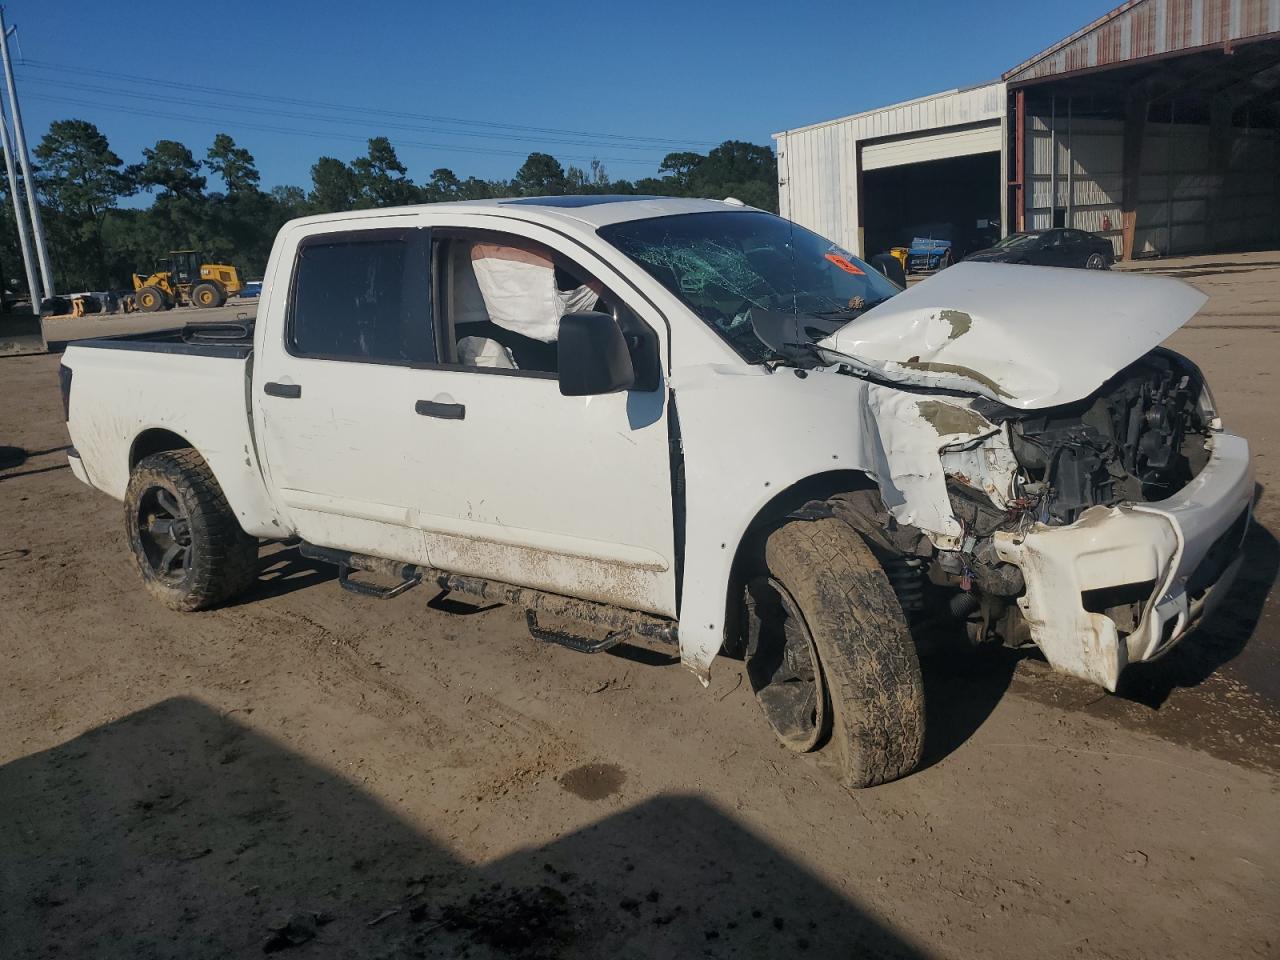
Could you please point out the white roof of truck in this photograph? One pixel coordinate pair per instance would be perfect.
(591, 210)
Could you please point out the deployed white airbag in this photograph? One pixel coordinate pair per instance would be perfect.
(483, 352)
(520, 292)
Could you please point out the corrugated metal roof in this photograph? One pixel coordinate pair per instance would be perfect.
(951, 107)
(1140, 29)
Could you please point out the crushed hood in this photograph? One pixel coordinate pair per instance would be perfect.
(1028, 337)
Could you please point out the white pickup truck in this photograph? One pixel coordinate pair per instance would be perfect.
(692, 422)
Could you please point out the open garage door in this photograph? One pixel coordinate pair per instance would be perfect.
(956, 199)
(936, 146)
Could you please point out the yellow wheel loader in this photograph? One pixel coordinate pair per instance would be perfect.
(182, 279)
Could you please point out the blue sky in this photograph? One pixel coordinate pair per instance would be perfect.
(670, 75)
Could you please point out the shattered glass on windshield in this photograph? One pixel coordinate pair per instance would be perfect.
(727, 267)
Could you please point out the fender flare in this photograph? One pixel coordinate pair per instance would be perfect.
(249, 501)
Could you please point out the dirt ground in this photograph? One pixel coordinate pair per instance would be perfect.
(332, 776)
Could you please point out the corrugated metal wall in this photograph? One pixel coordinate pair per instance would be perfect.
(1189, 198)
(1074, 165)
(818, 166)
(818, 181)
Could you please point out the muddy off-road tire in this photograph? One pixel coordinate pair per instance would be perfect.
(829, 654)
(188, 544)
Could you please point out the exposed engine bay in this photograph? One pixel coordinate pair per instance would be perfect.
(1141, 437)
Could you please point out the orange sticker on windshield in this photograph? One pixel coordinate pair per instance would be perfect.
(845, 265)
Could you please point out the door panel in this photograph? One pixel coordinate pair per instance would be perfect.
(486, 472)
(568, 494)
(335, 389)
(338, 457)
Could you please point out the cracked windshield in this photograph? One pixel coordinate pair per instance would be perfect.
(724, 266)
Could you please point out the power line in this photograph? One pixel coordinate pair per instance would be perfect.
(296, 101)
(293, 115)
(323, 134)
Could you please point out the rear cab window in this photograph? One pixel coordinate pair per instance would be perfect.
(363, 296)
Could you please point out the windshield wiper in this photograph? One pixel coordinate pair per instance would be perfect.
(791, 336)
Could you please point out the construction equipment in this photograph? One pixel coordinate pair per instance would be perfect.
(183, 279)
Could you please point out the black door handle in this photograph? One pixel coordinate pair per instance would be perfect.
(444, 411)
(289, 391)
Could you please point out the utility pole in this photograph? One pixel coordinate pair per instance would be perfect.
(19, 215)
(20, 143)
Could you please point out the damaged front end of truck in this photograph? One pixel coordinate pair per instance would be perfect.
(1072, 482)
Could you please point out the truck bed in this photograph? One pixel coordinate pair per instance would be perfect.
(229, 340)
(134, 395)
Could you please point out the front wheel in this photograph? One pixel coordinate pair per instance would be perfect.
(185, 538)
(829, 654)
(150, 299)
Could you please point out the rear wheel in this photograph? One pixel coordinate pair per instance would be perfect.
(150, 299)
(829, 654)
(208, 294)
(185, 538)
(1096, 261)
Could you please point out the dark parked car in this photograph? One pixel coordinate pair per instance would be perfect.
(1051, 248)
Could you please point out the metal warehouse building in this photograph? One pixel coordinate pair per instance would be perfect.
(1157, 125)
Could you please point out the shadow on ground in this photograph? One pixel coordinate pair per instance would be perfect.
(178, 831)
(962, 686)
(11, 457)
(282, 570)
(1235, 718)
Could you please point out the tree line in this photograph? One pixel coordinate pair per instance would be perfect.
(216, 204)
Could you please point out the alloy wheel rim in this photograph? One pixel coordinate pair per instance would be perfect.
(783, 667)
(164, 528)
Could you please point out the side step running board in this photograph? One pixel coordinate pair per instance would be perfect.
(347, 563)
(621, 623)
(409, 581)
(572, 640)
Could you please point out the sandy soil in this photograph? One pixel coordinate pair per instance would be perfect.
(333, 776)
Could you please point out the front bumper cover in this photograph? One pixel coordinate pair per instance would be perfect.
(1187, 547)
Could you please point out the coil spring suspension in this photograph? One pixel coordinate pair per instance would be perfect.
(906, 576)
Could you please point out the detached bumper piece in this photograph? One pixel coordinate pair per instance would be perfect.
(1123, 584)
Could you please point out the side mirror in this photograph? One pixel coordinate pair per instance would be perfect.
(592, 356)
